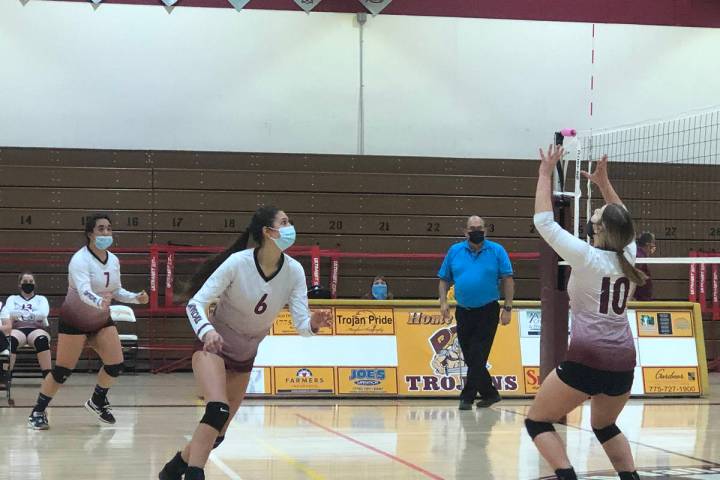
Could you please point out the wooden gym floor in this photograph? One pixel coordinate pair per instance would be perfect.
(339, 439)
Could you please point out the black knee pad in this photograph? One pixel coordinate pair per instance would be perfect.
(42, 344)
(218, 441)
(607, 433)
(60, 374)
(14, 344)
(45, 373)
(216, 415)
(113, 370)
(536, 428)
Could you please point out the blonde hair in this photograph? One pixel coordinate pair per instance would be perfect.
(619, 232)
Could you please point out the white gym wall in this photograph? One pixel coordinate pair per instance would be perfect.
(137, 77)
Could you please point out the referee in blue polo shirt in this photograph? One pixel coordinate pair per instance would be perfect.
(476, 267)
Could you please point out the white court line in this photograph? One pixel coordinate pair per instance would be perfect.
(220, 464)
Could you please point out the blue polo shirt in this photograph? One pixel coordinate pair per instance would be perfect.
(476, 274)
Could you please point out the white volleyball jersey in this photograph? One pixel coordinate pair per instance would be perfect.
(247, 302)
(30, 313)
(598, 289)
(89, 280)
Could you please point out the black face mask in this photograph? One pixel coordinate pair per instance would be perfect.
(28, 287)
(476, 237)
(590, 230)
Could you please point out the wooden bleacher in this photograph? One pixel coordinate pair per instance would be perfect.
(354, 203)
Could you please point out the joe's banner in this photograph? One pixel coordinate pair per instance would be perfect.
(406, 348)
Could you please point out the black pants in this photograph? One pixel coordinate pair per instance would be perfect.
(476, 329)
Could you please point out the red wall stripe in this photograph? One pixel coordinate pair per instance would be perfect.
(691, 13)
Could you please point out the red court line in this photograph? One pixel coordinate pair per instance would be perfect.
(370, 447)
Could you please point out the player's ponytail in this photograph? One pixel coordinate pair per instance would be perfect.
(263, 217)
(619, 232)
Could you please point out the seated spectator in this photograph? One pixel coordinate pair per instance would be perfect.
(645, 248)
(28, 313)
(379, 290)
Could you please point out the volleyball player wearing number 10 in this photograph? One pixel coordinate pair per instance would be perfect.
(249, 287)
(600, 360)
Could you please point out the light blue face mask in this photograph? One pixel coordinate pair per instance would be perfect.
(379, 291)
(103, 242)
(287, 237)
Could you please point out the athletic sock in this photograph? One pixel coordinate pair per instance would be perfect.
(42, 403)
(99, 397)
(566, 474)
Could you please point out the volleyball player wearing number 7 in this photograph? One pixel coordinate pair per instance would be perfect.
(600, 360)
(249, 288)
(93, 282)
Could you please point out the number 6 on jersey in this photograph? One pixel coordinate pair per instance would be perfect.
(261, 305)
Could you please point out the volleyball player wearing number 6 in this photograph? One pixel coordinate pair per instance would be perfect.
(93, 282)
(600, 360)
(249, 288)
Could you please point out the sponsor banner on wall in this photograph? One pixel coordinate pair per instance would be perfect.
(283, 325)
(531, 380)
(655, 323)
(666, 380)
(304, 380)
(430, 361)
(260, 381)
(364, 321)
(367, 380)
(529, 319)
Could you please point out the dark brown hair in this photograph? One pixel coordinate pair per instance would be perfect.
(263, 217)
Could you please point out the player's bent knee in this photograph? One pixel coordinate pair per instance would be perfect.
(113, 370)
(607, 433)
(218, 441)
(536, 428)
(216, 415)
(42, 344)
(61, 374)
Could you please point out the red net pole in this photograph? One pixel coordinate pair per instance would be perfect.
(692, 282)
(715, 293)
(315, 262)
(169, 278)
(334, 275)
(703, 279)
(154, 262)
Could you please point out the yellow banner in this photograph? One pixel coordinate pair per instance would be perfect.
(284, 326)
(304, 380)
(367, 380)
(655, 323)
(532, 380)
(260, 382)
(671, 380)
(362, 321)
(430, 361)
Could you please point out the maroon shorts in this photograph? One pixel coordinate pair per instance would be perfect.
(66, 329)
(230, 364)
